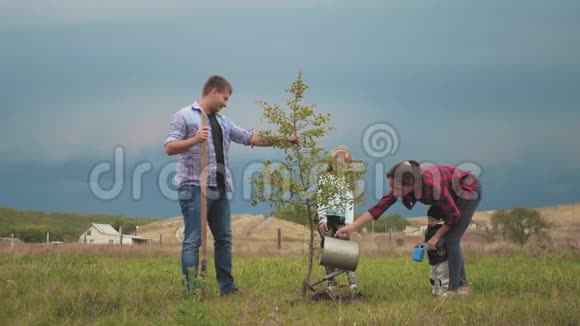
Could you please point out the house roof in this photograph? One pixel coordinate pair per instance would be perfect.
(105, 229)
(10, 240)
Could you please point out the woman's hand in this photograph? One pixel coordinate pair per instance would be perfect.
(343, 232)
(323, 227)
(432, 243)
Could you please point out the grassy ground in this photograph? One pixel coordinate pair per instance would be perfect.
(78, 288)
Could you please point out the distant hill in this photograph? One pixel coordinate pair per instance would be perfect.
(257, 228)
(244, 226)
(561, 216)
(31, 226)
(251, 234)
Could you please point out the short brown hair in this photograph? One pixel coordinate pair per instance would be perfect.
(218, 82)
(406, 173)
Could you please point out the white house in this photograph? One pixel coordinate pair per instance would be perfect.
(10, 241)
(106, 234)
(414, 231)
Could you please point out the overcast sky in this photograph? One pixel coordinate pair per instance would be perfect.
(488, 84)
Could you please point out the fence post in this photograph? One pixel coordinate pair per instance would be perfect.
(11, 240)
(47, 238)
(279, 240)
(160, 239)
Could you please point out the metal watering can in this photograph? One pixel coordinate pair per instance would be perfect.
(340, 254)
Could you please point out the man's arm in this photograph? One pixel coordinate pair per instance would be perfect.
(344, 231)
(383, 204)
(183, 145)
(246, 137)
(452, 214)
(256, 140)
(372, 214)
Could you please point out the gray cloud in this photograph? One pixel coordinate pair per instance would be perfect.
(497, 80)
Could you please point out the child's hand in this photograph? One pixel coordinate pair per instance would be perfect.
(432, 243)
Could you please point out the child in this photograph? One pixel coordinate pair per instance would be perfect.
(334, 215)
(437, 259)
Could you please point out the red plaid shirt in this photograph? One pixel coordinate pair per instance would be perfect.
(442, 186)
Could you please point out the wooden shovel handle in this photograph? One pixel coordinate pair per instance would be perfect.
(203, 200)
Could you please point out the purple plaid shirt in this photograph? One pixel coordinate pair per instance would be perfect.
(443, 186)
(184, 124)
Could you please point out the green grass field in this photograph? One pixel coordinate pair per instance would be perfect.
(68, 289)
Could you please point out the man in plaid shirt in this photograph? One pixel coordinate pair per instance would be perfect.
(455, 193)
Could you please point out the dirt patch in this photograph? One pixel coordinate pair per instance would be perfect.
(342, 297)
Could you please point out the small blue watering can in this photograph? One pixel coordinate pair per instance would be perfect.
(419, 252)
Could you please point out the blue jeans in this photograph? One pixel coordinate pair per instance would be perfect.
(220, 223)
(452, 238)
